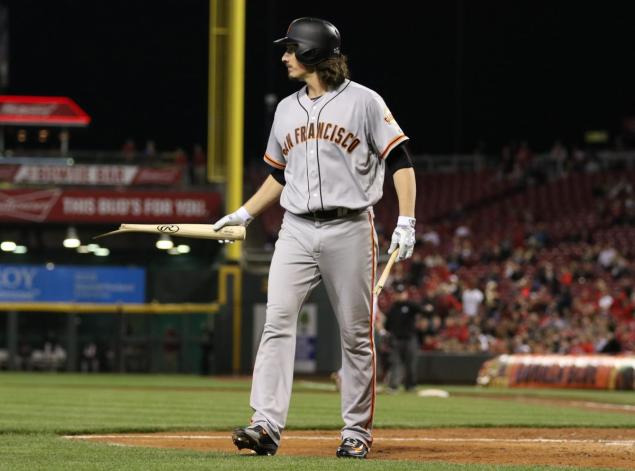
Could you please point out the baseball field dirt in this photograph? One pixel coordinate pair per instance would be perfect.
(589, 447)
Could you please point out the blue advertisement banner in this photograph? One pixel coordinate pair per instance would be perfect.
(59, 283)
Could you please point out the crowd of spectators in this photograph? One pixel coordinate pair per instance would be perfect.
(526, 291)
(193, 164)
(543, 264)
(518, 161)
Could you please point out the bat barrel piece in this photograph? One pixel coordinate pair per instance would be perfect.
(384, 276)
(118, 231)
(198, 231)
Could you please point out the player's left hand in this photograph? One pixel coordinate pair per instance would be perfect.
(403, 237)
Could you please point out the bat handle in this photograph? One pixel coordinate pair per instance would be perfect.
(382, 279)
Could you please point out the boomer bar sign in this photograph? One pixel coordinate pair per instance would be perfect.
(108, 206)
(90, 175)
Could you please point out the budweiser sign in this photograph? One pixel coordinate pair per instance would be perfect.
(91, 175)
(27, 109)
(157, 176)
(108, 206)
(41, 111)
(28, 206)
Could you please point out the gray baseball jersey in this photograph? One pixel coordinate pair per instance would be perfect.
(332, 148)
(332, 152)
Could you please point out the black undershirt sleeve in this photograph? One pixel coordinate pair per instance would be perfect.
(399, 158)
(278, 174)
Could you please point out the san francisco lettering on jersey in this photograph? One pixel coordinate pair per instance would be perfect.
(324, 131)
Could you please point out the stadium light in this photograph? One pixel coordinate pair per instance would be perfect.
(164, 242)
(183, 248)
(102, 252)
(71, 241)
(8, 246)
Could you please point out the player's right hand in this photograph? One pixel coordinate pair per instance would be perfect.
(238, 218)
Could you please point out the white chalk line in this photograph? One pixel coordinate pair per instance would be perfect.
(603, 405)
(626, 443)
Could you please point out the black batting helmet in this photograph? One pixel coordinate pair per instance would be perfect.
(316, 40)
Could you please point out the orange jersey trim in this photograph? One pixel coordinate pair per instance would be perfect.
(369, 424)
(274, 163)
(392, 144)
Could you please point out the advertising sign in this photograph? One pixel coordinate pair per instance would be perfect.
(306, 336)
(57, 205)
(81, 174)
(33, 283)
(612, 372)
(305, 359)
(41, 111)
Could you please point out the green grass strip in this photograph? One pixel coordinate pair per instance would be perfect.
(62, 409)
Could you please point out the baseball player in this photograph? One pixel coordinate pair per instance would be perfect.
(330, 145)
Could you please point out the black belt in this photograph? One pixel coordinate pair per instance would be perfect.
(331, 214)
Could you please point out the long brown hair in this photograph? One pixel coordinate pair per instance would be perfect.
(332, 72)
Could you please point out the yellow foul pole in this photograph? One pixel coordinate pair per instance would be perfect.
(226, 103)
(236, 85)
(225, 136)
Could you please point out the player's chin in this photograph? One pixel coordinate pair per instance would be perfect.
(294, 73)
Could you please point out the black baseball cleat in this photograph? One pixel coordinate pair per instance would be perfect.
(352, 448)
(254, 438)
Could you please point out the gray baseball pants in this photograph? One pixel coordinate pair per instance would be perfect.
(342, 253)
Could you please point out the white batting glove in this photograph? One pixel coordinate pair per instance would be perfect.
(239, 217)
(403, 237)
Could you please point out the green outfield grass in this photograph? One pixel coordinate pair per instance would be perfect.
(36, 408)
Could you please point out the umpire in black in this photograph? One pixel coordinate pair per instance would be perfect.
(402, 321)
